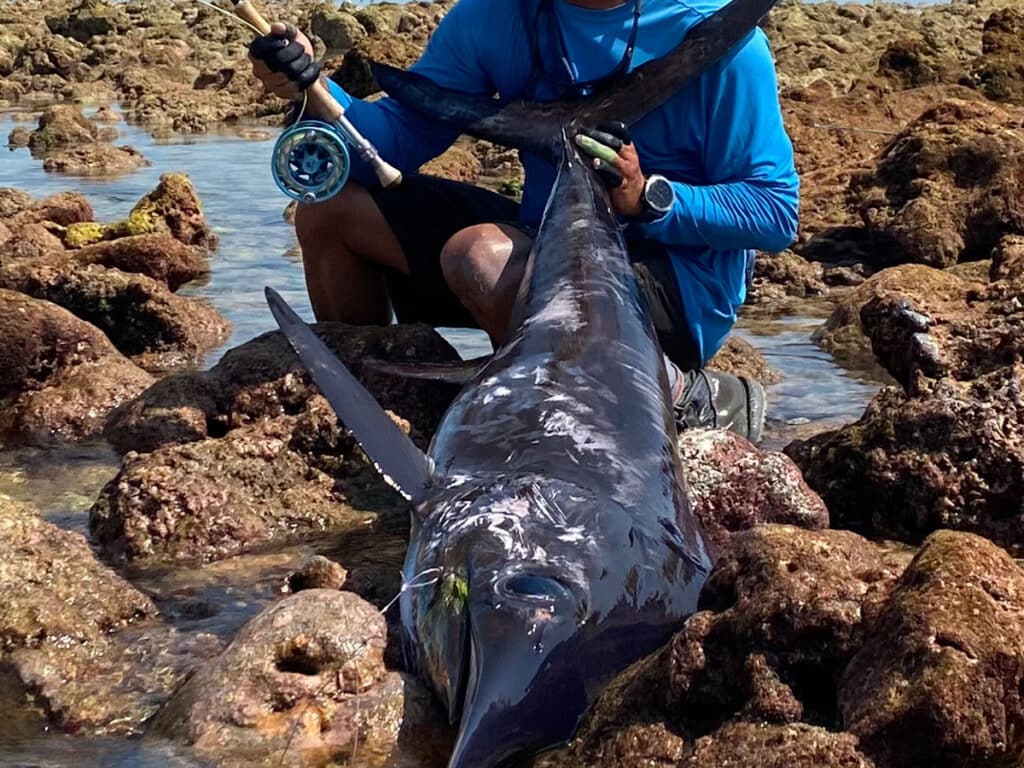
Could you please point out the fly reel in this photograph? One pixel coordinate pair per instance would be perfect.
(311, 162)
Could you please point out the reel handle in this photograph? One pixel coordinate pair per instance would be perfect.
(326, 105)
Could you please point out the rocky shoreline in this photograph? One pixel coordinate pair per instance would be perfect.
(865, 606)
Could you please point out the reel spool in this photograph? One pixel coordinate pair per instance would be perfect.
(311, 162)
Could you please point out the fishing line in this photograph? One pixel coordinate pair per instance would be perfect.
(413, 583)
(254, 28)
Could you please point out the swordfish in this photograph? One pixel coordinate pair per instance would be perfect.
(553, 542)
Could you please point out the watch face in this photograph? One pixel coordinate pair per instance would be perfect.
(659, 193)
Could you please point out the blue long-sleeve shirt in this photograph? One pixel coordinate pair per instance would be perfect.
(720, 139)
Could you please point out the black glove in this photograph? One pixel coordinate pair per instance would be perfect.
(613, 135)
(283, 54)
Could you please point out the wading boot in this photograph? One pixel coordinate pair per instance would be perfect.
(712, 399)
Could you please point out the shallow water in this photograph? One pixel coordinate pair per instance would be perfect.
(231, 175)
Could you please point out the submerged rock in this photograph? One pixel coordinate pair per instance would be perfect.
(735, 486)
(939, 679)
(78, 638)
(95, 160)
(55, 591)
(948, 456)
(63, 376)
(305, 683)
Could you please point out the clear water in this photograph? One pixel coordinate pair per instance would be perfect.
(230, 171)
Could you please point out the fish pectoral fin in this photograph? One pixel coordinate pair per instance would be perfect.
(402, 465)
(452, 371)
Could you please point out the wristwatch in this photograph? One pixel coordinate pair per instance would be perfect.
(657, 198)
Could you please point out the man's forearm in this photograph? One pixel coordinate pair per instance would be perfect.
(728, 216)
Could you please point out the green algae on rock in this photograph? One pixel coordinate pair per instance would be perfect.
(173, 208)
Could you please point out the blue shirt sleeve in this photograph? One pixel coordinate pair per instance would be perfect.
(402, 136)
(751, 200)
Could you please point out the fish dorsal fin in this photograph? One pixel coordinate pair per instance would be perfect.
(535, 126)
(404, 466)
(449, 371)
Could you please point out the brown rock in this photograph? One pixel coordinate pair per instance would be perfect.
(174, 207)
(939, 679)
(948, 456)
(801, 600)
(64, 125)
(782, 614)
(843, 335)
(305, 682)
(1008, 259)
(317, 572)
(95, 160)
(792, 273)
(945, 189)
(741, 358)
(55, 591)
(28, 242)
(263, 378)
(64, 208)
(1000, 68)
(63, 375)
(18, 137)
(458, 163)
(143, 319)
(735, 486)
(160, 257)
(354, 74)
(776, 746)
(13, 201)
(217, 497)
(963, 337)
(79, 639)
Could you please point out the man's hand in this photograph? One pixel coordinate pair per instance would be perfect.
(283, 61)
(615, 159)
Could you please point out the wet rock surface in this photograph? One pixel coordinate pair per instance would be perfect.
(63, 376)
(734, 486)
(948, 456)
(217, 497)
(784, 612)
(263, 378)
(144, 320)
(81, 642)
(305, 681)
(938, 681)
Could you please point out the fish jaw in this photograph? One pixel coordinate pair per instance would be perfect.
(524, 692)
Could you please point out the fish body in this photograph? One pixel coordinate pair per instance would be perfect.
(553, 542)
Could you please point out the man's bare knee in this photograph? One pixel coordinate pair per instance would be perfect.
(326, 219)
(474, 258)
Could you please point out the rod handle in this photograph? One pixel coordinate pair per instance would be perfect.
(248, 12)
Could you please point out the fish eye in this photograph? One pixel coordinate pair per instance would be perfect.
(525, 586)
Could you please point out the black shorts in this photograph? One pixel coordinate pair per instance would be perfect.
(425, 211)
